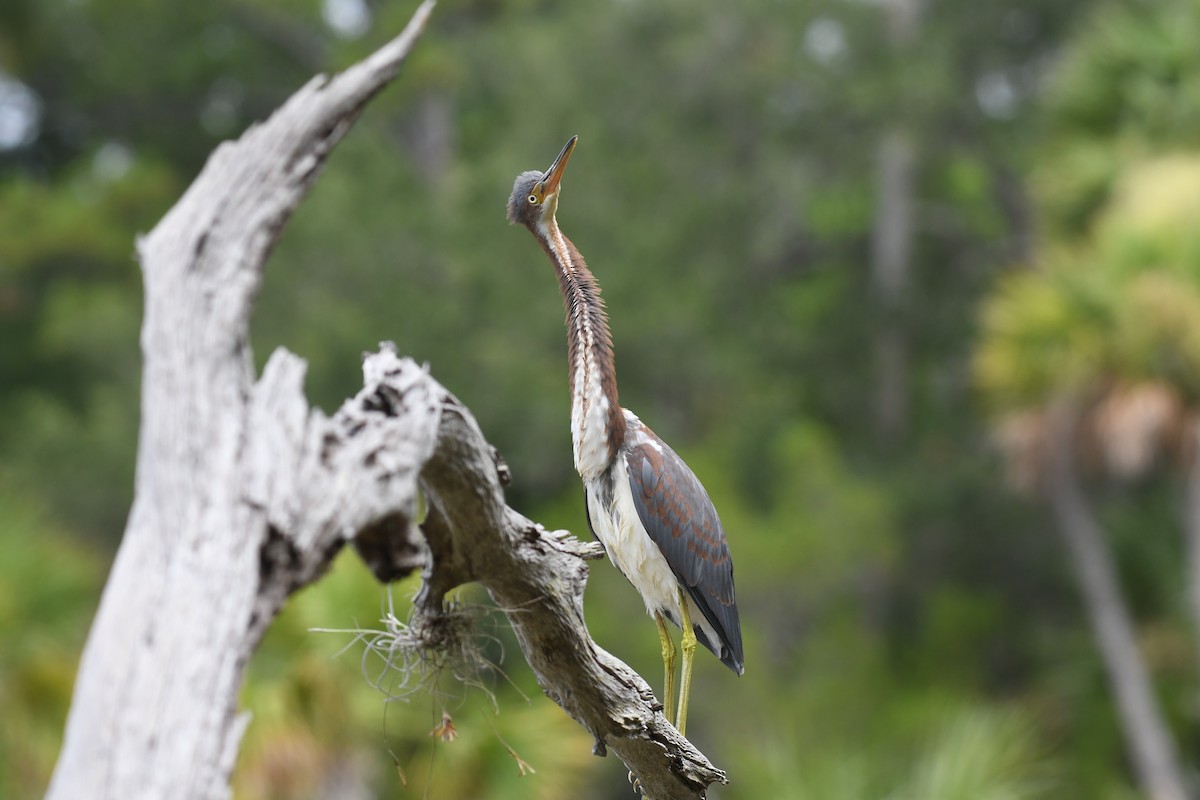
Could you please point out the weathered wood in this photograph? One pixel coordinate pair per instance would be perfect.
(538, 578)
(226, 519)
(244, 493)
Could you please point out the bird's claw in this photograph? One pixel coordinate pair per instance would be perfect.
(635, 782)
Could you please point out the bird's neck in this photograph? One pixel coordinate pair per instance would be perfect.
(597, 423)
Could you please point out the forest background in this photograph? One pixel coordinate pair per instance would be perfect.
(856, 254)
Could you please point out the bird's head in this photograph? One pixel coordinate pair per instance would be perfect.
(535, 194)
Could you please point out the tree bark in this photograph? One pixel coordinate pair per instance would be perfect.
(244, 494)
(1148, 740)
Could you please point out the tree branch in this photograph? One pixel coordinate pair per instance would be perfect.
(538, 578)
(244, 493)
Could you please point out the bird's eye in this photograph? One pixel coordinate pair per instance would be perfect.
(533, 199)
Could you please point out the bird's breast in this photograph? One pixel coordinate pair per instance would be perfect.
(617, 525)
(590, 417)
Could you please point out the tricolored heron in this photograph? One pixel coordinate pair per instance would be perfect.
(644, 504)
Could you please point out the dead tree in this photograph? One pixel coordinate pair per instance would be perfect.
(244, 494)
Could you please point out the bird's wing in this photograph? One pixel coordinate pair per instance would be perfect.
(680, 518)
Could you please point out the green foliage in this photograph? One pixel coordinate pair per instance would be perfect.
(1042, 333)
(318, 719)
(69, 316)
(980, 756)
(1134, 73)
(1120, 306)
(934, 750)
(908, 631)
(1129, 88)
(49, 584)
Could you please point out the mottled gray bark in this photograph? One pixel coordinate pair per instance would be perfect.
(1148, 741)
(244, 494)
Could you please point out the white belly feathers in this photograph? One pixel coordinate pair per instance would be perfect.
(629, 547)
(616, 523)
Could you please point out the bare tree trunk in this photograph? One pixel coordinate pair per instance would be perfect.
(892, 244)
(244, 494)
(891, 257)
(1011, 198)
(1148, 740)
(208, 557)
(430, 135)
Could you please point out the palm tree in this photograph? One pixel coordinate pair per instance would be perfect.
(1091, 366)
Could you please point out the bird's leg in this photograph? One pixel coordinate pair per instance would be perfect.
(668, 656)
(688, 645)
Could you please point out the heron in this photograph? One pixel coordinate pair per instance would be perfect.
(644, 504)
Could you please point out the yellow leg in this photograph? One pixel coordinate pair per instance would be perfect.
(668, 656)
(688, 645)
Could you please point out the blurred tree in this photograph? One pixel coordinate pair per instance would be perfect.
(113, 142)
(892, 238)
(724, 193)
(1089, 361)
(1093, 355)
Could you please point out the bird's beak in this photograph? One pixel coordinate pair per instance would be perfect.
(554, 175)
